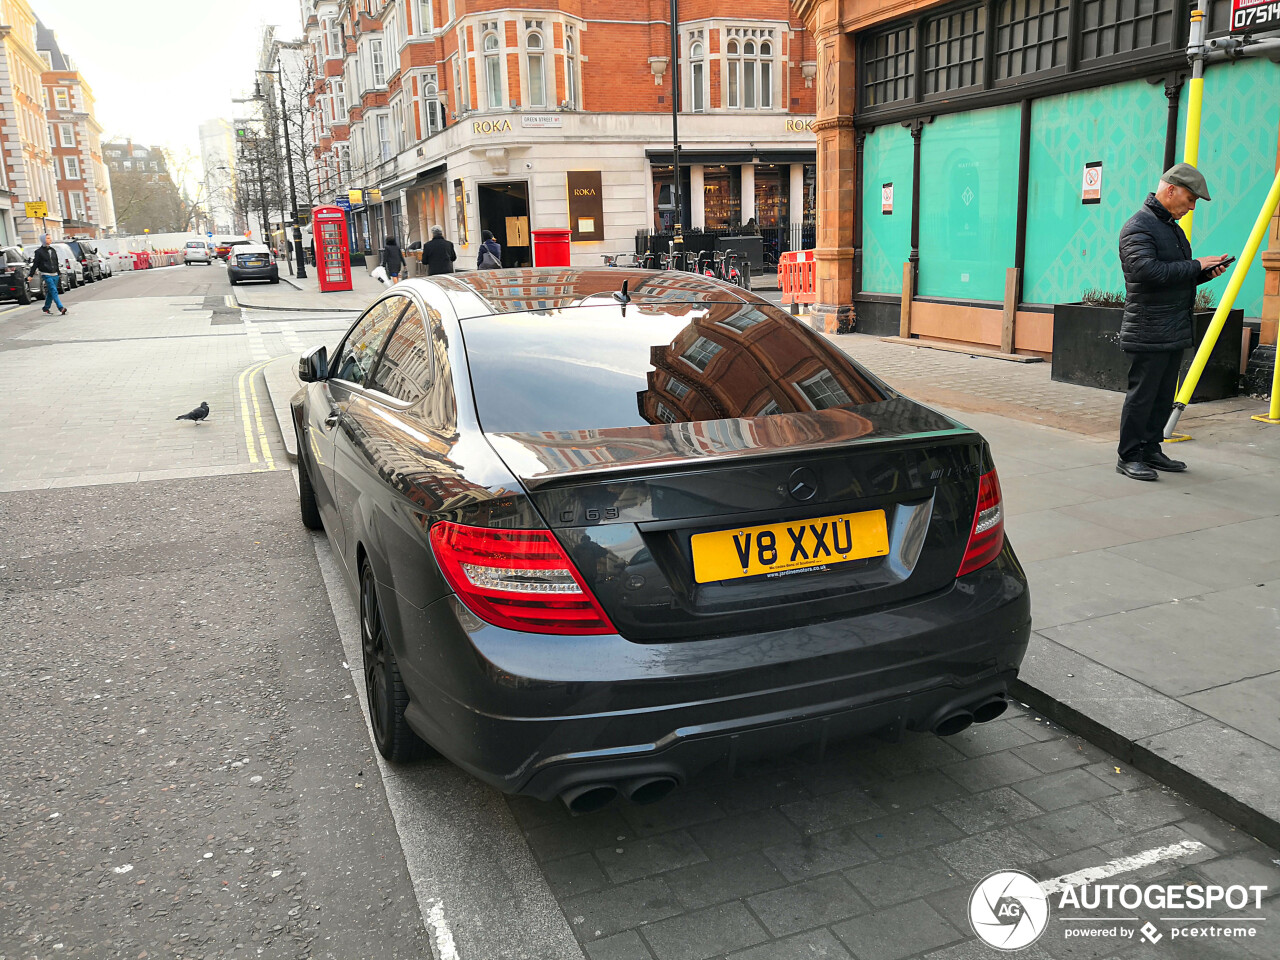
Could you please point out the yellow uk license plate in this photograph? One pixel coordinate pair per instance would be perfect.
(781, 547)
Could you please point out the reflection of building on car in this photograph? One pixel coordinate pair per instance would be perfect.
(603, 540)
(196, 251)
(252, 261)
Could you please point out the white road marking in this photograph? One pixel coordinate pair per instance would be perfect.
(257, 349)
(1122, 865)
(291, 338)
(440, 932)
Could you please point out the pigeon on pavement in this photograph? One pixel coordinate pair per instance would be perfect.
(198, 414)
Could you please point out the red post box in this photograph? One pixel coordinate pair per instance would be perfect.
(551, 247)
(333, 258)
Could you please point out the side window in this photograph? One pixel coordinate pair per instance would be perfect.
(406, 366)
(360, 350)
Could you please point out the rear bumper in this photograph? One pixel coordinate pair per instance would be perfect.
(253, 273)
(541, 714)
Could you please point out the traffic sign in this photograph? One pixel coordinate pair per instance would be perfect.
(209, 234)
(36, 208)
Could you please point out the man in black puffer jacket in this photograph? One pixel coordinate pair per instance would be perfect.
(1160, 278)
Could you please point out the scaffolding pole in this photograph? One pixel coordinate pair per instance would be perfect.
(1256, 236)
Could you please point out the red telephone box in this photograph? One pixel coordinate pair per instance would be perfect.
(333, 258)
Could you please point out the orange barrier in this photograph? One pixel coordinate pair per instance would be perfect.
(797, 275)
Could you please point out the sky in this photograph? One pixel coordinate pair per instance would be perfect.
(160, 68)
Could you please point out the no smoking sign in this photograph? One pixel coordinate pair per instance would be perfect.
(1091, 184)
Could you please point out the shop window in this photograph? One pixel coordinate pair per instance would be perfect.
(697, 80)
(1112, 27)
(493, 71)
(953, 47)
(888, 66)
(772, 187)
(1031, 36)
(722, 196)
(536, 70)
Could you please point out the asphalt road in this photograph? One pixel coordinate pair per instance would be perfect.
(189, 771)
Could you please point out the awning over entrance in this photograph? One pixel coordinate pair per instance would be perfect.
(734, 156)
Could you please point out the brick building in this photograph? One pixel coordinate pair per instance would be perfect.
(479, 115)
(957, 140)
(27, 173)
(83, 186)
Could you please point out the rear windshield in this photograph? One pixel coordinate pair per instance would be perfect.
(591, 367)
(197, 244)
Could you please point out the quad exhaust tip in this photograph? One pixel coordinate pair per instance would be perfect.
(649, 789)
(960, 720)
(953, 723)
(589, 797)
(988, 710)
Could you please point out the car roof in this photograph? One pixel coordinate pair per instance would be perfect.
(530, 289)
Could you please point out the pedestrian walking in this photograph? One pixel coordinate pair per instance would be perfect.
(438, 254)
(392, 259)
(490, 257)
(1160, 278)
(45, 261)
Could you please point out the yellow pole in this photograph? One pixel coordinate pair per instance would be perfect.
(1191, 150)
(1229, 295)
(1273, 412)
(1195, 98)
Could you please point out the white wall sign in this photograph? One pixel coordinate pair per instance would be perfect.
(540, 120)
(1091, 186)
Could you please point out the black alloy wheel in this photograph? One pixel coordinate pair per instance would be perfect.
(382, 684)
(306, 492)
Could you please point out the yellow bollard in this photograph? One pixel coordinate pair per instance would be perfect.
(1229, 295)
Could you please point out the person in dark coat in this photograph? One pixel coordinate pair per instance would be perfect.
(392, 259)
(438, 254)
(1160, 278)
(490, 255)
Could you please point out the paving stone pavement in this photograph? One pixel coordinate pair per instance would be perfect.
(872, 853)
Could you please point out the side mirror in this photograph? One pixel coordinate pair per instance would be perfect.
(314, 365)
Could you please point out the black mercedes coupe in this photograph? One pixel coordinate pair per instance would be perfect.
(610, 527)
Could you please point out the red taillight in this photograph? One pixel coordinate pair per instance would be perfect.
(518, 579)
(986, 536)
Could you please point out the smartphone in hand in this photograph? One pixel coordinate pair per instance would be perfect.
(1227, 262)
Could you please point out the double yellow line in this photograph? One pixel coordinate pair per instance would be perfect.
(249, 398)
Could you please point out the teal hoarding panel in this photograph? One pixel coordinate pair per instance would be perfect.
(886, 238)
(969, 203)
(1072, 245)
(1239, 130)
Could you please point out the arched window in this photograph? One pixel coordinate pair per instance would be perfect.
(570, 73)
(493, 72)
(735, 73)
(749, 75)
(697, 80)
(766, 74)
(537, 71)
(431, 104)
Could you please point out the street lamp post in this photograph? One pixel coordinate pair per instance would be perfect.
(298, 255)
(678, 228)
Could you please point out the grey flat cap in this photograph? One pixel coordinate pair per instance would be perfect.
(1185, 175)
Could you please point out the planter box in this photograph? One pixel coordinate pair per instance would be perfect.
(1086, 350)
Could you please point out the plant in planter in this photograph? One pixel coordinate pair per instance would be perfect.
(1086, 345)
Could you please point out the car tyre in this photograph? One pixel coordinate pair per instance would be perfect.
(306, 493)
(383, 687)
(23, 293)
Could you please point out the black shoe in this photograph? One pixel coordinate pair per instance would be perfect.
(1161, 462)
(1136, 470)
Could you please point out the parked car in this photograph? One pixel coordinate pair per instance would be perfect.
(196, 251)
(104, 261)
(606, 528)
(19, 281)
(86, 253)
(252, 261)
(74, 275)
